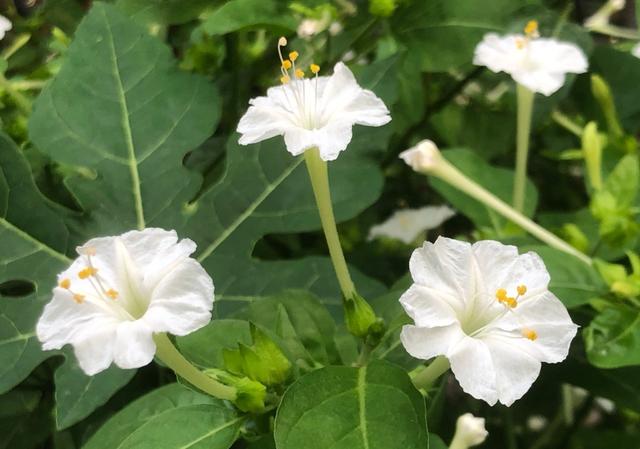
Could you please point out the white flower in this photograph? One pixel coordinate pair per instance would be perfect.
(5, 25)
(539, 64)
(119, 292)
(421, 157)
(317, 112)
(635, 51)
(407, 224)
(488, 310)
(308, 27)
(470, 432)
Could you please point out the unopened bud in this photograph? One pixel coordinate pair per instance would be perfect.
(592, 152)
(250, 395)
(359, 315)
(470, 432)
(422, 157)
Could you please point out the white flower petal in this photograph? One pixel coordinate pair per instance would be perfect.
(95, 350)
(472, 365)
(425, 343)
(182, 302)
(427, 307)
(134, 346)
(407, 224)
(540, 81)
(635, 51)
(5, 25)
(330, 140)
(514, 368)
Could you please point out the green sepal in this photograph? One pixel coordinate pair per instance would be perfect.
(360, 318)
(250, 393)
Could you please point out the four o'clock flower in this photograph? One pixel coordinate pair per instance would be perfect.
(539, 64)
(489, 312)
(407, 224)
(121, 291)
(311, 113)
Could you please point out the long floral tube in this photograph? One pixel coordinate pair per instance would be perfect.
(426, 158)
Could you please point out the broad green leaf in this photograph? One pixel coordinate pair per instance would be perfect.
(498, 181)
(171, 417)
(373, 407)
(132, 118)
(204, 347)
(572, 281)
(24, 419)
(236, 15)
(612, 339)
(166, 12)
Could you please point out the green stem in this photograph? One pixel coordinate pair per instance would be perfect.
(425, 378)
(450, 174)
(525, 109)
(171, 357)
(18, 97)
(319, 176)
(568, 124)
(364, 355)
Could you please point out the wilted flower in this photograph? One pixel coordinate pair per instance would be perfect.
(5, 25)
(487, 310)
(539, 64)
(407, 224)
(470, 432)
(317, 112)
(119, 292)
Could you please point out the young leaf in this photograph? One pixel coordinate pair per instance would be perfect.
(373, 407)
(612, 339)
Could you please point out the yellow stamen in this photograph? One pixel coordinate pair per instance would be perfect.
(531, 28)
(286, 64)
(87, 272)
(65, 283)
(315, 68)
(511, 302)
(529, 334)
(299, 73)
(284, 79)
(522, 289)
(501, 294)
(78, 298)
(111, 293)
(282, 41)
(293, 56)
(520, 43)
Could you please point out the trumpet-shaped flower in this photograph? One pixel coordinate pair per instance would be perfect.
(487, 310)
(119, 292)
(470, 431)
(311, 112)
(407, 224)
(539, 64)
(5, 25)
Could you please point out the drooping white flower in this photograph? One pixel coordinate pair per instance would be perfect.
(119, 292)
(488, 310)
(407, 224)
(539, 64)
(470, 431)
(5, 25)
(312, 112)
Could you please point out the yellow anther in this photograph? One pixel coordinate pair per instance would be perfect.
(315, 68)
(78, 298)
(111, 293)
(501, 294)
(522, 289)
(529, 334)
(286, 64)
(511, 302)
(293, 56)
(87, 272)
(65, 283)
(284, 79)
(299, 73)
(531, 28)
(282, 41)
(520, 43)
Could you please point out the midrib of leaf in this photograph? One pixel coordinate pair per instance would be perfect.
(361, 388)
(24, 236)
(269, 188)
(126, 127)
(212, 432)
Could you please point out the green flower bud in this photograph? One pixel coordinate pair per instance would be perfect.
(592, 150)
(382, 8)
(359, 315)
(602, 94)
(250, 395)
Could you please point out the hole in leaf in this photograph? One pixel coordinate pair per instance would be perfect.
(17, 288)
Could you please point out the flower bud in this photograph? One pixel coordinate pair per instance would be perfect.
(602, 93)
(359, 315)
(592, 152)
(422, 157)
(250, 395)
(470, 432)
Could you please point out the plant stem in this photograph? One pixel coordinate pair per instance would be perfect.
(319, 176)
(22, 102)
(450, 174)
(425, 378)
(171, 357)
(525, 108)
(568, 124)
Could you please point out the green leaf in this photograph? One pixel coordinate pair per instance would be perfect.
(132, 119)
(171, 417)
(574, 282)
(498, 181)
(236, 15)
(373, 407)
(204, 347)
(612, 339)
(166, 12)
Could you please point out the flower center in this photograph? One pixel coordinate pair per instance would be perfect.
(530, 32)
(511, 303)
(301, 95)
